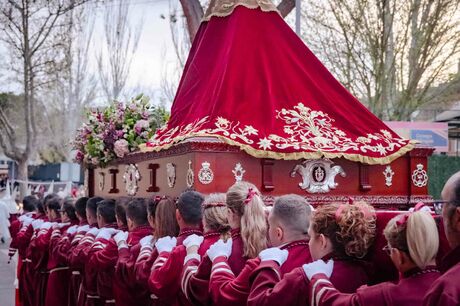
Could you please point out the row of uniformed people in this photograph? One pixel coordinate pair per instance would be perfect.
(220, 250)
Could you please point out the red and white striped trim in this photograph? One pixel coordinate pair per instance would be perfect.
(221, 267)
(188, 272)
(192, 256)
(159, 263)
(145, 253)
(316, 297)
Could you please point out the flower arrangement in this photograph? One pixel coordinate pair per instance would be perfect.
(116, 130)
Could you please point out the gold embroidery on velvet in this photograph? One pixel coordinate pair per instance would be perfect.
(311, 133)
(222, 8)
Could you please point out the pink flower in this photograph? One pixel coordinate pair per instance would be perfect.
(140, 125)
(121, 147)
(79, 156)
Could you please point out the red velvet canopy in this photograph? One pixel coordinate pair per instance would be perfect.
(251, 82)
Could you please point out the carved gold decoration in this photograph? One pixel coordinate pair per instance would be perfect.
(131, 177)
(205, 175)
(419, 176)
(318, 176)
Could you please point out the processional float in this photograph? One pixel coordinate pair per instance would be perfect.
(255, 104)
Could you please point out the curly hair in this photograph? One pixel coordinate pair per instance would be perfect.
(351, 228)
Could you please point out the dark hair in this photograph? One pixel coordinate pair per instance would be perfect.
(41, 206)
(91, 204)
(120, 208)
(106, 209)
(80, 207)
(54, 204)
(137, 211)
(189, 206)
(29, 203)
(152, 207)
(49, 198)
(69, 207)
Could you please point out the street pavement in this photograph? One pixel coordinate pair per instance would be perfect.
(7, 275)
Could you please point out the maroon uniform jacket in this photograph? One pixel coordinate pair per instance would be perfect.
(75, 292)
(59, 274)
(268, 273)
(40, 255)
(195, 275)
(28, 277)
(80, 256)
(227, 289)
(292, 288)
(407, 292)
(446, 289)
(104, 260)
(164, 281)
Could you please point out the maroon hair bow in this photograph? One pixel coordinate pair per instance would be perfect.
(403, 218)
(251, 194)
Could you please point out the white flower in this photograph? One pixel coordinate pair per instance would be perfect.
(222, 121)
(265, 143)
(250, 130)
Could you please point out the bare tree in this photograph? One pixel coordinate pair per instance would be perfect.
(392, 54)
(121, 42)
(31, 32)
(74, 86)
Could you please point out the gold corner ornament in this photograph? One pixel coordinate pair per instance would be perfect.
(131, 177)
(318, 176)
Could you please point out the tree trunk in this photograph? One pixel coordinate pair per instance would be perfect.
(23, 174)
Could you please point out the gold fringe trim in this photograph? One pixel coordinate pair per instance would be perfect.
(224, 8)
(290, 156)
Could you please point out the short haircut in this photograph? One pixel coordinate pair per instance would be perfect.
(189, 206)
(91, 205)
(80, 206)
(69, 207)
(455, 200)
(49, 198)
(29, 203)
(54, 204)
(293, 212)
(137, 211)
(106, 209)
(41, 206)
(120, 208)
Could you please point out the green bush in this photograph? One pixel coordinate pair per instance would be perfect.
(440, 168)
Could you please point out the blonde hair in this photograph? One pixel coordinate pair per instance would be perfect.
(244, 199)
(417, 236)
(215, 213)
(351, 228)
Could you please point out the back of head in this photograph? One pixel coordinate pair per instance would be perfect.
(215, 213)
(165, 218)
(351, 228)
(91, 204)
(152, 207)
(417, 236)
(80, 207)
(189, 206)
(54, 203)
(137, 211)
(68, 207)
(244, 199)
(29, 203)
(121, 204)
(106, 209)
(293, 212)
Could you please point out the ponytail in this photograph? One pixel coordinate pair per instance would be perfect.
(244, 199)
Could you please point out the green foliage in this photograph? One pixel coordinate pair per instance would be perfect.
(440, 168)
